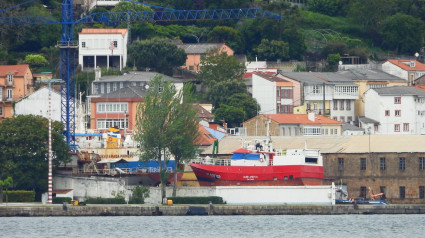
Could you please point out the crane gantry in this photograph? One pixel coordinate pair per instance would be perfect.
(68, 45)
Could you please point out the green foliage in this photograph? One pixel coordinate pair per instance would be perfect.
(370, 14)
(20, 196)
(327, 7)
(99, 200)
(403, 33)
(139, 194)
(246, 102)
(272, 50)
(61, 200)
(123, 6)
(197, 200)
(224, 34)
(24, 151)
(219, 67)
(158, 53)
(232, 115)
(334, 59)
(219, 92)
(35, 60)
(5, 184)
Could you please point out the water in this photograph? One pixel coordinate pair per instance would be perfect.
(216, 226)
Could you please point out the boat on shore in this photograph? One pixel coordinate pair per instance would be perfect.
(261, 165)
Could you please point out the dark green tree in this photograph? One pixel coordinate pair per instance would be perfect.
(272, 50)
(370, 14)
(24, 151)
(130, 7)
(159, 54)
(5, 184)
(219, 92)
(327, 7)
(229, 35)
(403, 33)
(231, 115)
(246, 102)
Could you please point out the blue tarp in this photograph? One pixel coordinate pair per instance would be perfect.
(246, 156)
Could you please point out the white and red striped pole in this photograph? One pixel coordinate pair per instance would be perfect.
(50, 177)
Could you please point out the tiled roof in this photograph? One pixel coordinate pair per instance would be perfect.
(271, 78)
(405, 64)
(315, 78)
(349, 127)
(103, 31)
(399, 91)
(203, 113)
(421, 87)
(136, 76)
(199, 48)
(301, 119)
(127, 92)
(17, 70)
(369, 75)
(204, 137)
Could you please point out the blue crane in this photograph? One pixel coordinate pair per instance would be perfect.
(68, 45)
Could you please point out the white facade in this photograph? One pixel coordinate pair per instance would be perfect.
(406, 117)
(38, 104)
(393, 69)
(416, 69)
(103, 48)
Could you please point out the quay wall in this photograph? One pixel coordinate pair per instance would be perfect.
(181, 210)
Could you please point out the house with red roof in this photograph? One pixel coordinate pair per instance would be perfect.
(102, 47)
(292, 125)
(409, 70)
(16, 82)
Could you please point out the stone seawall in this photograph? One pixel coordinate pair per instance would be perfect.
(181, 210)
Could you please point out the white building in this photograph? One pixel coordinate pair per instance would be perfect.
(408, 70)
(37, 103)
(398, 109)
(103, 48)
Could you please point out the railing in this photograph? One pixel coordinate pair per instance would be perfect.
(212, 161)
(125, 170)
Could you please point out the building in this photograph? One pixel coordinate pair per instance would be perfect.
(37, 103)
(367, 79)
(408, 70)
(292, 125)
(273, 94)
(16, 82)
(195, 52)
(398, 109)
(102, 47)
(393, 164)
(327, 94)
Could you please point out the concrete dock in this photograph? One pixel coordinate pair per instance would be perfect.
(34, 210)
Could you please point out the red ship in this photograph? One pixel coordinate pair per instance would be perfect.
(262, 166)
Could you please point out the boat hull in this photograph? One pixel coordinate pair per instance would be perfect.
(285, 175)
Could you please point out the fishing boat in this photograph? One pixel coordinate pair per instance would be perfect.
(261, 165)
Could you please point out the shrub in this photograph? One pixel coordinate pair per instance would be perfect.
(197, 200)
(20, 196)
(139, 194)
(60, 200)
(99, 200)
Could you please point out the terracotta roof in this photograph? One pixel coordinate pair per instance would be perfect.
(421, 87)
(62, 191)
(301, 119)
(18, 70)
(273, 78)
(249, 74)
(204, 137)
(103, 31)
(405, 64)
(203, 113)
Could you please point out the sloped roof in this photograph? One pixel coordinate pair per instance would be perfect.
(17, 70)
(199, 48)
(127, 92)
(400, 91)
(369, 75)
(271, 77)
(368, 120)
(301, 119)
(103, 31)
(136, 76)
(349, 127)
(314, 78)
(203, 113)
(204, 137)
(405, 64)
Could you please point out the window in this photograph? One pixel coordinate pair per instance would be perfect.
(308, 106)
(10, 79)
(397, 113)
(341, 105)
(115, 43)
(340, 164)
(106, 123)
(402, 163)
(1, 111)
(402, 192)
(9, 94)
(421, 162)
(83, 44)
(342, 119)
(335, 104)
(421, 192)
(382, 189)
(311, 131)
(396, 127)
(348, 106)
(191, 67)
(349, 119)
(397, 100)
(405, 126)
(387, 113)
(316, 89)
(382, 165)
(362, 163)
(376, 128)
(335, 118)
(112, 107)
(335, 131)
(362, 192)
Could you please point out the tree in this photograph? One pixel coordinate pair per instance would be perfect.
(233, 116)
(218, 67)
(327, 7)
(157, 53)
(370, 14)
(246, 102)
(139, 194)
(153, 125)
(272, 50)
(403, 33)
(219, 92)
(24, 151)
(183, 130)
(232, 37)
(5, 184)
(35, 60)
(130, 7)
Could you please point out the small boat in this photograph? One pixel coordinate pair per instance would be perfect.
(262, 165)
(344, 199)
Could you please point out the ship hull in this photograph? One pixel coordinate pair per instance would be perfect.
(285, 175)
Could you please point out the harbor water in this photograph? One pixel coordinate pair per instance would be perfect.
(216, 226)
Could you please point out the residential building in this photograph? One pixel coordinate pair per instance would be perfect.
(327, 94)
(408, 70)
(398, 109)
(195, 52)
(102, 47)
(273, 94)
(16, 82)
(367, 79)
(292, 125)
(37, 103)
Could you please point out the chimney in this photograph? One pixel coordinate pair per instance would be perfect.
(97, 73)
(311, 115)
